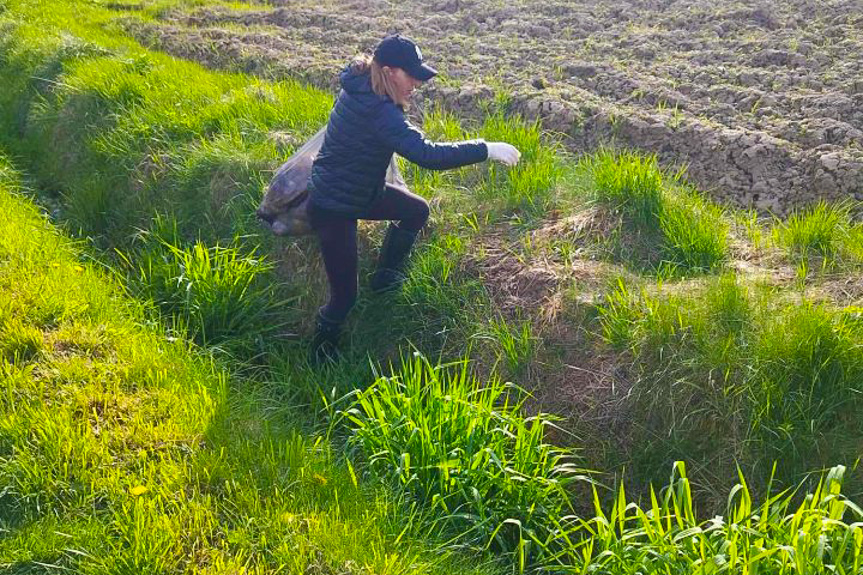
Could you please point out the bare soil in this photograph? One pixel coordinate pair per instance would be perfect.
(762, 101)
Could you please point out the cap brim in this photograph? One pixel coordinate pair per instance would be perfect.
(423, 72)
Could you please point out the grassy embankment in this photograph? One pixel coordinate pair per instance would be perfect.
(731, 395)
(126, 134)
(126, 451)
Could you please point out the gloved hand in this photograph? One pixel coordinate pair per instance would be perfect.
(503, 152)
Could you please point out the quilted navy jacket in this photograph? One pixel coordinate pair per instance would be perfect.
(363, 132)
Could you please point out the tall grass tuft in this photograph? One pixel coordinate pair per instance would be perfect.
(465, 450)
(823, 533)
(515, 342)
(815, 230)
(676, 230)
(630, 183)
(824, 234)
(218, 294)
(8, 177)
(695, 233)
(618, 315)
(528, 187)
(810, 376)
(527, 190)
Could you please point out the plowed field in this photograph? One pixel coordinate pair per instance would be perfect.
(763, 102)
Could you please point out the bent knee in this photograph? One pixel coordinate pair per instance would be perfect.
(419, 216)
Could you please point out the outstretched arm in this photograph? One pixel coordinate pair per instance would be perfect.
(410, 143)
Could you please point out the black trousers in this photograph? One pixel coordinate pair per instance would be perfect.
(337, 236)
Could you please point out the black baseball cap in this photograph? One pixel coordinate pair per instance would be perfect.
(399, 52)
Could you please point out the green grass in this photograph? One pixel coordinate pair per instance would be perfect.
(163, 135)
(21, 342)
(821, 534)
(516, 344)
(465, 450)
(631, 184)
(824, 236)
(814, 230)
(727, 374)
(530, 190)
(437, 285)
(811, 377)
(124, 451)
(674, 231)
(695, 234)
(219, 295)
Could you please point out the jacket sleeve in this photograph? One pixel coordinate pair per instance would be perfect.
(409, 142)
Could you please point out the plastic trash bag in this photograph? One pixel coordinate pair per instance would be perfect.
(284, 205)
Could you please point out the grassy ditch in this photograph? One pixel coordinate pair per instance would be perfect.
(771, 380)
(128, 138)
(164, 161)
(463, 448)
(124, 451)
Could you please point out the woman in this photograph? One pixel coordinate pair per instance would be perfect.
(366, 126)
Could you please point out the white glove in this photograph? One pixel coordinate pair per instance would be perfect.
(503, 152)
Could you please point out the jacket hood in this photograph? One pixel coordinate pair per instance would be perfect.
(356, 81)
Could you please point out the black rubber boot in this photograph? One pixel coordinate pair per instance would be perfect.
(396, 248)
(325, 343)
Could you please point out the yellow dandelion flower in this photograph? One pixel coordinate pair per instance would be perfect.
(138, 490)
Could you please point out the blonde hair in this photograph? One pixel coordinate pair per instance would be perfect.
(381, 84)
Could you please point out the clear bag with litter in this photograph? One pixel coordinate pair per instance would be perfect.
(284, 205)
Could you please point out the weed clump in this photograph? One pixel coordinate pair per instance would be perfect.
(466, 450)
(813, 231)
(216, 294)
(824, 236)
(676, 230)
